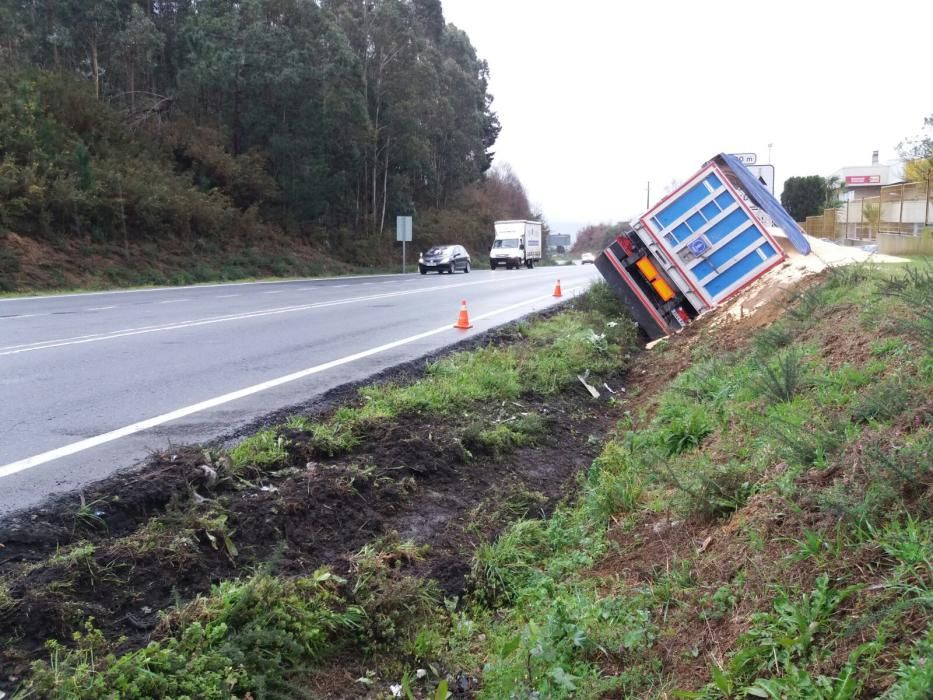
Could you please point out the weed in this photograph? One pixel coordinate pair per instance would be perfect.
(246, 638)
(614, 484)
(7, 601)
(807, 444)
(769, 340)
(915, 675)
(502, 568)
(914, 287)
(260, 451)
(333, 439)
(601, 300)
(396, 606)
(780, 640)
(684, 427)
(89, 516)
(513, 501)
(706, 488)
(780, 381)
(887, 346)
(895, 476)
(882, 401)
(505, 437)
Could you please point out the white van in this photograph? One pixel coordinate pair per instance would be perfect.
(517, 243)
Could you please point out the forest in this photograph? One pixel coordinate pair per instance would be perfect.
(194, 139)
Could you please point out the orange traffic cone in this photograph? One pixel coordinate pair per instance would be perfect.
(557, 291)
(463, 321)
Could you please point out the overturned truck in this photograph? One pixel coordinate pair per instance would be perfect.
(698, 246)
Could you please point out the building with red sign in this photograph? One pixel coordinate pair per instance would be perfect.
(863, 181)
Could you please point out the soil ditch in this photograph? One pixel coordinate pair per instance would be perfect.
(143, 541)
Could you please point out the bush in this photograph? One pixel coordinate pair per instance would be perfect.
(781, 380)
(683, 427)
(246, 638)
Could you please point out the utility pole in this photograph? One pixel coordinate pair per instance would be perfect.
(926, 210)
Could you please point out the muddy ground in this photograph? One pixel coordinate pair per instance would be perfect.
(412, 478)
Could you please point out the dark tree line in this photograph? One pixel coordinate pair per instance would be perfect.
(360, 109)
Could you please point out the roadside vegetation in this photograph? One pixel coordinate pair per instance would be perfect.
(136, 149)
(750, 518)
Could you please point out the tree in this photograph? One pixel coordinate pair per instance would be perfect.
(804, 196)
(835, 186)
(136, 44)
(918, 154)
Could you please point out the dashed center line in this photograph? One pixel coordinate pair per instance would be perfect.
(173, 301)
(99, 308)
(227, 296)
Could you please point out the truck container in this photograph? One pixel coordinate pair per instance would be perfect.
(698, 246)
(517, 244)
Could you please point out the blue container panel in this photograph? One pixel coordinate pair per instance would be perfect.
(681, 233)
(711, 210)
(702, 269)
(725, 200)
(687, 200)
(733, 274)
(735, 246)
(727, 226)
(696, 222)
(713, 182)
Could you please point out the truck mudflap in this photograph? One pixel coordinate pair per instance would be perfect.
(650, 299)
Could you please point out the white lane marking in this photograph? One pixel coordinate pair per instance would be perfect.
(276, 291)
(99, 308)
(10, 318)
(97, 337)
(199, 286)
(173, 301)
(340, 286)
(103, 438)
(227, 296)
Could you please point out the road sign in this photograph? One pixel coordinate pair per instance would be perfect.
(747, 158)
(403, 228)
(403, 234)
(765, 175)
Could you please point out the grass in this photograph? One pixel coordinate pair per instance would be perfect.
(758, 527)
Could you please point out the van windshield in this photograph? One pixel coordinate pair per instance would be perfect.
(505, 243)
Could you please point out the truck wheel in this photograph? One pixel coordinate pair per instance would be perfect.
(531, 264)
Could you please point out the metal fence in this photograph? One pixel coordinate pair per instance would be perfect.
(900, 210)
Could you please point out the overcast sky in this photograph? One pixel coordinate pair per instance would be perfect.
(597, 97)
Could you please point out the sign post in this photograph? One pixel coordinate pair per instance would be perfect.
(403, 234)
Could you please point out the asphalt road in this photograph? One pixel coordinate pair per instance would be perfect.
(93, 383)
